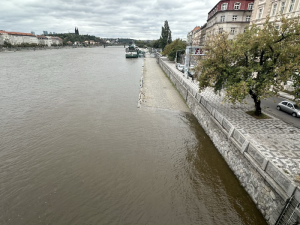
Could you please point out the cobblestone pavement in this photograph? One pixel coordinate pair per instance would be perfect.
(276, 140)
(158, 91)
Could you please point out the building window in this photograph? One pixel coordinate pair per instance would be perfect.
(282, 7)
(237, 5)
(245, 29)
(222, 18)
(292, 5)
(248, 18)
(250, 6)
(274, 9)
(220, 30)
(224, 6)
(232, 31)
(260, 11)
(234, 18)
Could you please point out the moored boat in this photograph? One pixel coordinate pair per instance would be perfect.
(132, 52)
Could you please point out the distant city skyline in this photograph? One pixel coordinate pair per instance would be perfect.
(107, 19)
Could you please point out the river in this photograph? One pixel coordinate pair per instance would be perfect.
(75, 149)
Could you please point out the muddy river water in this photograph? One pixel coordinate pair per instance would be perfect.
(75, 149)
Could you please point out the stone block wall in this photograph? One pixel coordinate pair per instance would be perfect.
(266, 185)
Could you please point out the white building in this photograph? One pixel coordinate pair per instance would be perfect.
(274, 9)
(231, 16)
(17, 38)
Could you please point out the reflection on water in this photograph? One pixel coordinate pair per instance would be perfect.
(75, 149)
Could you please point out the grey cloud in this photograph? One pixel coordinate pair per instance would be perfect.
(105, 18)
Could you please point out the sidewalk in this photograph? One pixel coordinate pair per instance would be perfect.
(286, 95)
(276, 140)
(158, 91)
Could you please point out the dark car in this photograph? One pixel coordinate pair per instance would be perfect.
(191, 73)
(289, 107)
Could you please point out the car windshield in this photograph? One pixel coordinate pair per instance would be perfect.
(297, 106)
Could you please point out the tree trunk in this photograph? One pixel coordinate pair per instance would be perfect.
(256, 102)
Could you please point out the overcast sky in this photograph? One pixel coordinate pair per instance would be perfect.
(138, 19)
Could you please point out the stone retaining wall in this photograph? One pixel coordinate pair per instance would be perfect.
(268, 187)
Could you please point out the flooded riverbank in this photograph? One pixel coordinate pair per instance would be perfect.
(75, 149)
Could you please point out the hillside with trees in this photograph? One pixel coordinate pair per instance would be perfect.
(80, 38)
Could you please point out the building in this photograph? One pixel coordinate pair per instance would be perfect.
(196, 35)
(231, 16)
(191, 35)
(17, 38)
(202, 35)
(42, 40)
(55, 40)
(274, 9)
(45, 33)
(189, 38)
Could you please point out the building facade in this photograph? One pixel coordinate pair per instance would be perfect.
(274, 9)
(192, 35)
(17, 38)
(231, 16)
(196, 36)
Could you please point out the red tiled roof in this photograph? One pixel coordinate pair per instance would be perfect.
(196, 28)
(16, 33)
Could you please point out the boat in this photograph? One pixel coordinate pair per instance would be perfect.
(132, 52)
(141, 53)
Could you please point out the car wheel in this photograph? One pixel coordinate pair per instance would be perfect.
(294, 114)
(278, 108)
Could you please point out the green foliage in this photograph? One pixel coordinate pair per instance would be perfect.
(141, 44)
(154, 44)
(172, 48)
(258, 62)
(7, 44)
(74, 37)
(166, 37)
(296, 84)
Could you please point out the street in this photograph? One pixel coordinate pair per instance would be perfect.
(269, 106)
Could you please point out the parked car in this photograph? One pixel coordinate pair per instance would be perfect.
(177, 64)
(289, 107)
(191, 73)
(180, 68)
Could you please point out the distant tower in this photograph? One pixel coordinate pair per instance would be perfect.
(76, 31)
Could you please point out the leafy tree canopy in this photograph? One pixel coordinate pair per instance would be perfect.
(165, 37)
(154, 44)
(258, 62)
(176, 46)
(79, 38)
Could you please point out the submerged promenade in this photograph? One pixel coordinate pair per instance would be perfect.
(263, 154)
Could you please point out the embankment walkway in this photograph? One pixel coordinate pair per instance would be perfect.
(158, 91)
(263, 154)
(278, 141)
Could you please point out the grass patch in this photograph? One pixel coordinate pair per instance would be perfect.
(262, 116)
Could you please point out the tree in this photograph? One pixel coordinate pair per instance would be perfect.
(154, 44)
(165, 37)
(178, 46)
(258, 62)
